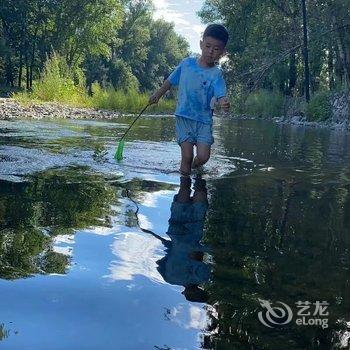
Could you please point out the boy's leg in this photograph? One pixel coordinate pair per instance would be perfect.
(186, 157)
(184, 194)
(203, 155)
(200, 191)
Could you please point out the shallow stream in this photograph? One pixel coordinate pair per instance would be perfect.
(97, 254)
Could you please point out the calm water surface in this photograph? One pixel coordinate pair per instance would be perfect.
(103, 255)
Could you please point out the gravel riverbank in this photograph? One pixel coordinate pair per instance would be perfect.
(341, 125)
(12, 109)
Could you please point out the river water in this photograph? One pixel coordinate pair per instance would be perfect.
(97, 254)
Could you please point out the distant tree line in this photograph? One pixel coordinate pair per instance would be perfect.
(115, 42)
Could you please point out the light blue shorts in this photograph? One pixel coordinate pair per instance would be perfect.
(192, 131)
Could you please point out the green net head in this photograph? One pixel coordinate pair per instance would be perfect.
(119, 153)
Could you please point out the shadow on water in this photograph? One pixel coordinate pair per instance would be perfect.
(272, 228)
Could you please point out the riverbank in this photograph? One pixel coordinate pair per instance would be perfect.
(342, 125)
(12, 109)
(325, 110)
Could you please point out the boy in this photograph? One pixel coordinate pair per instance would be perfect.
(200, 83)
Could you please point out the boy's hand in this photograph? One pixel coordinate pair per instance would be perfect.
(224, 104)
(159, 93)
(154, 98)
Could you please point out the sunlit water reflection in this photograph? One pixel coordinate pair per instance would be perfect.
(80, 270)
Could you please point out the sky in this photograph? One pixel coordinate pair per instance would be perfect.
(183, 14)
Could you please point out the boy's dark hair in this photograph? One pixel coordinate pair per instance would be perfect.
(216, 31)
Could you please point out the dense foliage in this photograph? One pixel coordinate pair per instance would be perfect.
(113, 42)
(266, 42)
(119, 45)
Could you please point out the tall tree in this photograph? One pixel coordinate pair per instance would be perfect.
(306, 53)
(143, 53)
(85, 28)
(266, 43)
(116, 41)
(165, 50)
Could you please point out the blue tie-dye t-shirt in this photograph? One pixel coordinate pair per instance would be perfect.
(197, 86)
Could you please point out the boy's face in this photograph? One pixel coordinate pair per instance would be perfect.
(212, 49)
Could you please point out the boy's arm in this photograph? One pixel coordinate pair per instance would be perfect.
(172, 80)
(160, 92)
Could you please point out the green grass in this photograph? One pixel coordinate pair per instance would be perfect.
(117, 100)
(263, 103)
(126, 101)
(319, 107)
(58, 83)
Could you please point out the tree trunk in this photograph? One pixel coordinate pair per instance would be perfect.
(31, 66)
(344, 51)
(27, 73)
(292, 74)
(306, 54)
(20, 70)
(9, 71)
(330, 63)
(343, 54)
(344, 78)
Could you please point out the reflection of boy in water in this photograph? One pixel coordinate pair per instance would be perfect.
(183, 263)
